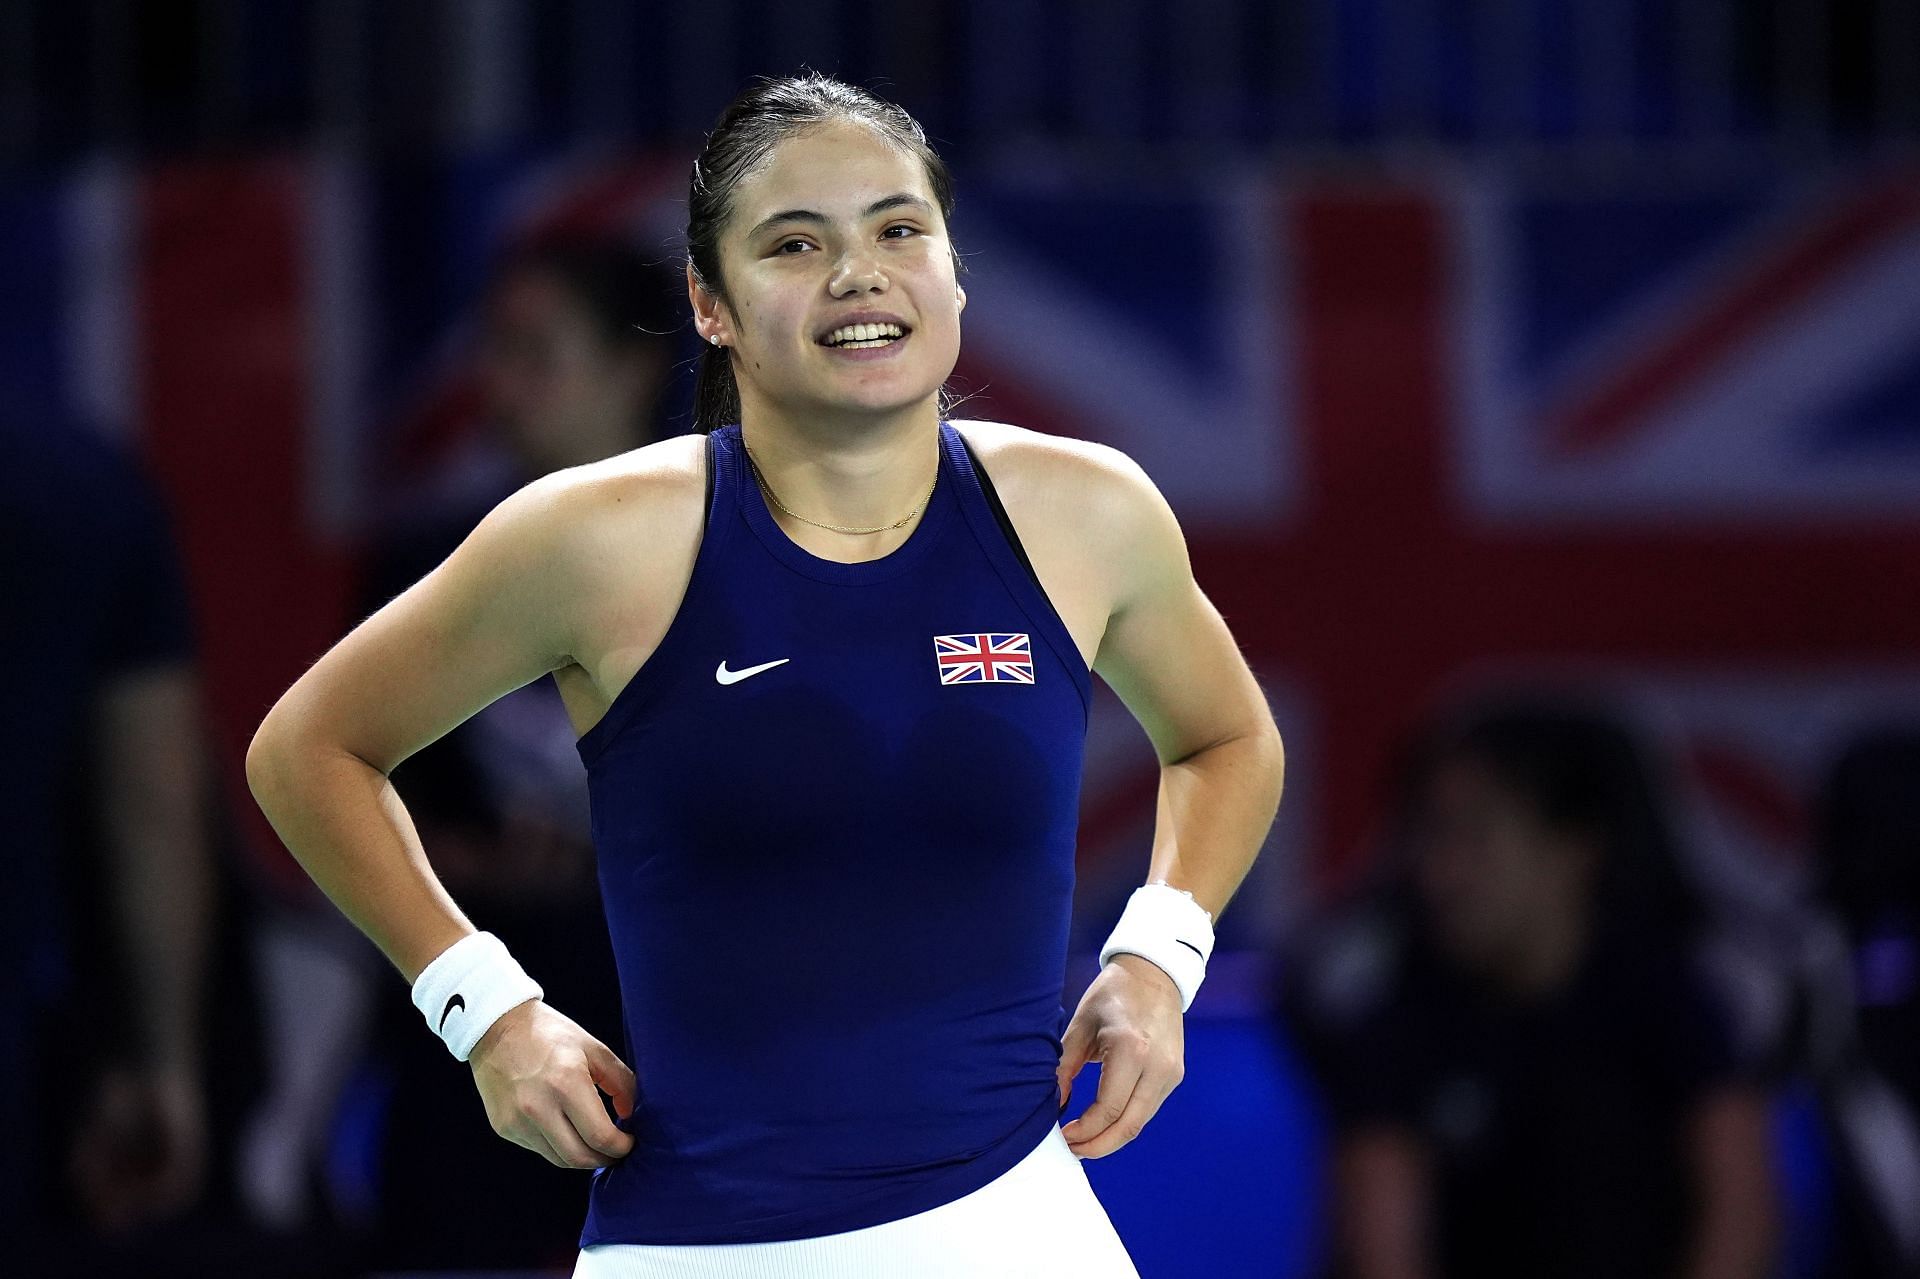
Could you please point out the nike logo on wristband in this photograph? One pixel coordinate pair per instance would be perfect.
(1190, 946)
(456, 1002)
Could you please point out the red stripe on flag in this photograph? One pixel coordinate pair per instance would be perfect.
(224, 365)
(1612, 412)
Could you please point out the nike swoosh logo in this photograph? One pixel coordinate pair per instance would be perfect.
(1190, 946)
(458, 1001)
(726, 676)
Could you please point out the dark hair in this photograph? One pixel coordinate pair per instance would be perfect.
(1581, 771)
(745, 134)
(629, 298)
(1867, 827)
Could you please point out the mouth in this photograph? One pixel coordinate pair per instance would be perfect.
(865, 337)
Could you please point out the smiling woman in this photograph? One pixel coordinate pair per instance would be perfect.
(831, 683)
(773, 142)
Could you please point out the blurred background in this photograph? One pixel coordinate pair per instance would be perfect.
(1537, 383)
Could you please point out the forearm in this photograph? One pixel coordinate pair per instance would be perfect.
(1382, 1220)
(1730, 1245)
(159, 855)
(1737, 1224)
(344, 823)
(1214, 810)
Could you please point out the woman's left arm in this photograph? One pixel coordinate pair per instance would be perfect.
(1168, 654)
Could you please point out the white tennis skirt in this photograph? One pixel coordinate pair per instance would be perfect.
(1037, 1220)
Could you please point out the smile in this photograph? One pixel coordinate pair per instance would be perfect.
(864, 337)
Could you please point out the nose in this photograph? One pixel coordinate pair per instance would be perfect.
(857, 271)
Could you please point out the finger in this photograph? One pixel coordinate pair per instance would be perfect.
(588, 1116)
(1118, 1074)
(613, 1077)
(535, 1139)
(525, 1129)
(1141, 1107)
(568, 1149)
(1075, 1046)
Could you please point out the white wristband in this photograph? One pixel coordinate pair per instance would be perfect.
(1166, 926)
(466, 989)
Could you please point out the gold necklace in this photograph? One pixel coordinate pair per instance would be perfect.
(768, 489)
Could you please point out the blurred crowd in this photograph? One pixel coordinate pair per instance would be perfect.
(1546, 1046)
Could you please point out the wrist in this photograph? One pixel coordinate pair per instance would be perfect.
(1165, 927)
(470, 986)
(1146, 969)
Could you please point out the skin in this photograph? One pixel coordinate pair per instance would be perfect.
(558, 392)
(140, 1153)
(580, 573)
(1509, 896)
(1506, 892)
(845, 442)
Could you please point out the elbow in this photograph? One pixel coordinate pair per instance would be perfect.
(1273, 751)
(263, 754)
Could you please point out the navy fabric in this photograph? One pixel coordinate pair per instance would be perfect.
(839, 890)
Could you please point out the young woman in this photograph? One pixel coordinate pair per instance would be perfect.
(832, 684)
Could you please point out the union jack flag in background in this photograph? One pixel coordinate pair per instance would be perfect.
(996, 658)
(1422, 434)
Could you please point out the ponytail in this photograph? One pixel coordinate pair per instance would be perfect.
(716, 400)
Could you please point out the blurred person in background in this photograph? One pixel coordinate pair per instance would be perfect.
(1526, 1071)
(1869, 878)
(106, 902)
(575, 360)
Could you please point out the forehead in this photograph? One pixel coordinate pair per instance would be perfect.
(834, 169)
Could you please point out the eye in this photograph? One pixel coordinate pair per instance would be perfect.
(784, 245)
(901, 226)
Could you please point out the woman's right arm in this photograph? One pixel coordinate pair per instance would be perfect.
(500, 612)
(492, 617)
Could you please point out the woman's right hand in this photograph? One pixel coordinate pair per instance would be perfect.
(537, 1072)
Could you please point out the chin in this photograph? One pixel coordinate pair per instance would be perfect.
(879, 405)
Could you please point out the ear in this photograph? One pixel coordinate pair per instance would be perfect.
(960, 293)
(709, 314)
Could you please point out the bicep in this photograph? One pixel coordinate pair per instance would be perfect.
(1166, 650)
(495, 615)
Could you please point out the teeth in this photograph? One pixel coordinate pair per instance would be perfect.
(863, 333)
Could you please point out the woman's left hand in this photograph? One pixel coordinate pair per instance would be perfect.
(1130, 1022)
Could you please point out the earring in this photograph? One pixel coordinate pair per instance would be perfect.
(714, 338)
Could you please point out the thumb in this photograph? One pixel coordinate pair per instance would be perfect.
(1075, 1048)
(612, 1076)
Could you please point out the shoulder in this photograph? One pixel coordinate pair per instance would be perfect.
(585, 507)
(1098, 481)
(1099, 492)
(1054, 457)
(594, 533)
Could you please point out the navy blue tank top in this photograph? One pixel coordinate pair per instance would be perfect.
(835, 815)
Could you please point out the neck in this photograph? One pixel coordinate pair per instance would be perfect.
(860, 472)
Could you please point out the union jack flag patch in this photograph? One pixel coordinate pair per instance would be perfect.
(996, 657)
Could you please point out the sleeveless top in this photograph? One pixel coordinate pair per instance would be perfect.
(834, 814)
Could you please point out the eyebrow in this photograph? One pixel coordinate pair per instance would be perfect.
(901, 200)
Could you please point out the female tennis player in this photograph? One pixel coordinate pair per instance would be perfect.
(831, 683)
